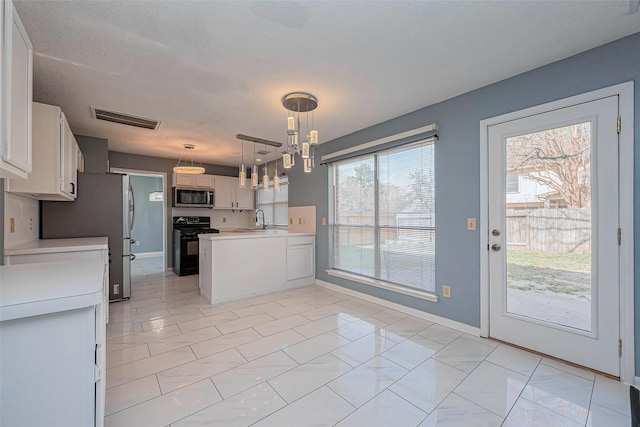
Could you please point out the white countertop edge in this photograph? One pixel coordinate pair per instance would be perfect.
(38, 308)
(251, 235)
(59, 245)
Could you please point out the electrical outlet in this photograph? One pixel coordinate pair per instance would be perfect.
(471, 224)
(116, 289)
(446, 291)
(290, 221)
(224, 220)
(137, 242)
(324, 221)
(30, 224)
(12, 225)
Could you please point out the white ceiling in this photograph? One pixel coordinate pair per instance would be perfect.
(209, 70)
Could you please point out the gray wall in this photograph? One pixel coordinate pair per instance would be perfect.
(458, 169)
(147, 226)
(2, 225)
(159, 164)
(95, 152)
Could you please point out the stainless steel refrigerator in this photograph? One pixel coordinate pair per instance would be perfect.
(104, 207)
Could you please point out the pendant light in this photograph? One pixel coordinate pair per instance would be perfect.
(296, 103)
(265, 176)
(276, 178)
(254, 173)
(186, 169)
(243, 170)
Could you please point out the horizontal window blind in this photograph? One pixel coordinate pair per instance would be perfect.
(275, 204)
(383, 223)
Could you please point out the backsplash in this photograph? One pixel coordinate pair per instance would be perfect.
(221, 219)
(25, 213)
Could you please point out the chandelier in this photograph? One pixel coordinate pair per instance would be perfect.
(186, 169)
(296, 103)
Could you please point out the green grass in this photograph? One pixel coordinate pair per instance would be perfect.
(567, 274)
(557, 261)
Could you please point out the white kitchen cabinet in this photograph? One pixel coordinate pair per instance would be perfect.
(196, 181)
(270, 261)
(55, 171)
(300, 257)
(52, 356)
(16, 74)
(80, 160)
(229, 195)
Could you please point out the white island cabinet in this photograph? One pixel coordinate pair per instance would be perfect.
(240, 265)
(52, 344)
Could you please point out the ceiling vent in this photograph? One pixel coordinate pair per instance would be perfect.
(124, 119)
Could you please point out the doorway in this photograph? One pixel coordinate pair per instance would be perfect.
(148, 236)
(553, 265)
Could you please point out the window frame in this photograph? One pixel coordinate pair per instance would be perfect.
(376, 280)
(284, 183)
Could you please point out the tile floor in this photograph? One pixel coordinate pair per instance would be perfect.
(313, 357)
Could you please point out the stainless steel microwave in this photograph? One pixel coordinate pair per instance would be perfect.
(192, 198)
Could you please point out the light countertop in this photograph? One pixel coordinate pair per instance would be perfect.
(253, 234)
(49, 287)
(58, 245)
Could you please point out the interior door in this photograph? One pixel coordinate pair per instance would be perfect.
(553, 233)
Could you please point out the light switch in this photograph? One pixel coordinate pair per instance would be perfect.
(324, 221)
(12, 225)
(290, 221)
(471, 224)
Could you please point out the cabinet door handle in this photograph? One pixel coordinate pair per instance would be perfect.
(73, 188)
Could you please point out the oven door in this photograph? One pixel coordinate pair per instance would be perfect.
(186, 255)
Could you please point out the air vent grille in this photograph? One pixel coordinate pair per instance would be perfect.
(262, 152)
(124, 119)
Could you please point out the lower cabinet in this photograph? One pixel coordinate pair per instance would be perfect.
(300, 257)
(53, 352)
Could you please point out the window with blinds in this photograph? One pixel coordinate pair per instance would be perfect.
(275, 204)
(383, 224)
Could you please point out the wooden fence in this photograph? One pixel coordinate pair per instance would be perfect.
(549, 230)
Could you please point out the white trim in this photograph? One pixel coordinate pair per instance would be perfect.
(637, 381)
(626, 94)
(462, 327)
(375, 143)
(142, 255)
(384, 285)
(162, 175)
(627, 312)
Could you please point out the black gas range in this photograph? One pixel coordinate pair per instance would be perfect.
(185, 242)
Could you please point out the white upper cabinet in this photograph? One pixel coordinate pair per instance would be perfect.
(55, 158)
(16, 75)
(196, 181)
(229, 195)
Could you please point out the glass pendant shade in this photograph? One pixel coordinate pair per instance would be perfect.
(313, 137)
(305, 150)
(291, 123)
(265, 178)
(286, 160)
(307, 165)
(254, 177)
(276, 181)
(243, 176)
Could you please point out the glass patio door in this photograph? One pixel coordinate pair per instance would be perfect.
(553, 233)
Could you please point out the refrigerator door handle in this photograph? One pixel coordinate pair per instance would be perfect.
(133, 256)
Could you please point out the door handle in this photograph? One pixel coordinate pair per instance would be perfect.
(495, 247)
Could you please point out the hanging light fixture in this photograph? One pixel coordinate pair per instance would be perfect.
(243, 170)
(265, 176)
(276, 178)
(299, 102)
(186, 169)
(254, 173)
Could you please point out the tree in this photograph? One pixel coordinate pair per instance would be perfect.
(557, 158)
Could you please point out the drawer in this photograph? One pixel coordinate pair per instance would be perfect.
(300, 240)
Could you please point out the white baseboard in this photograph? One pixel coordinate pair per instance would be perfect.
(149, 254)
(407, 310)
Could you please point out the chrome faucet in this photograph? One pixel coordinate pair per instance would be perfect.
(264, 224)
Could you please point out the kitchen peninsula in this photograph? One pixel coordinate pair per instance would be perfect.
(254, 262)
